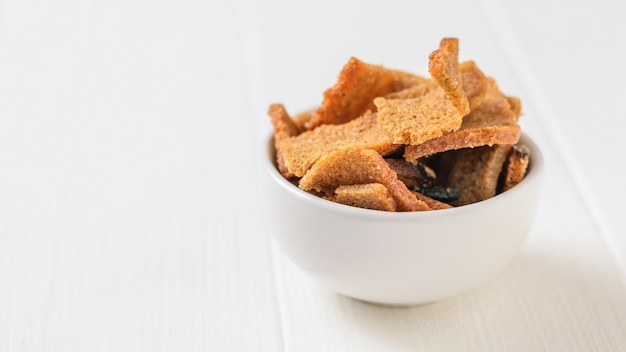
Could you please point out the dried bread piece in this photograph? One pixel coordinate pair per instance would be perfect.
(516, 105)
(428, 110)
(299, 153)
(302, 119)
(453, 118)
(475, 172)
(284, 127)
(432, 203)
(419, 87)
(515, 167)
(412, 174)
(353, 166)
(370, 196)
(443, 66)
(357, 85)
(491, 122)
(416, 120)
(474, 83)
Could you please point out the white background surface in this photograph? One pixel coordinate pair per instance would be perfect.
(129, 216)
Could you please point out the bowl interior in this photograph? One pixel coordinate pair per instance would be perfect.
(534, 173)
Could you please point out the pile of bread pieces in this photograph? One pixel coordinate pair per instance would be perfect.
(390, 140)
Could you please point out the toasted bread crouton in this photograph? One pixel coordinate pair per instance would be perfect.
(356, 87)
(412, 174)
(443, 66)
(301, 152)
(420, 86)
(370, 196)
(432, 203)
(475, 172)
(416, 120)
(302, 119)
(491, 122)
(516, 105)
(515, 167)
(284, 127)
(474, 83)
(358, 166)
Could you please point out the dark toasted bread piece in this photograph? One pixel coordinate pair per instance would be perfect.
(413, 174)
(475, 172)
(515, 167)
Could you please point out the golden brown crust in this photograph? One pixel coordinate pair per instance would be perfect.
(467, 138)
(515, 167)
(356, 87)
(416, 120)
(301, 152)
(516, 105)
(443, 67)
(432, 203)
(420, 86)
(370, 196)
(302, 119)
(475, 172)
(474, 83)
(491, 122)
(359, 166)
(284, 127)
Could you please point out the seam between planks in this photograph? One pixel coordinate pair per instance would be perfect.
(250, 60)
(505, 34)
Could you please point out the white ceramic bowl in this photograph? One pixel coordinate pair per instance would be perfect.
(399, 258)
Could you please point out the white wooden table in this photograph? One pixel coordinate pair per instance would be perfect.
(129, 210)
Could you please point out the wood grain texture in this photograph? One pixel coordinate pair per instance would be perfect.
(128, 204)
(126, 219)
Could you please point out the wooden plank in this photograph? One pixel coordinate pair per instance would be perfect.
(126, 217)
(585, 113)
(565, 290)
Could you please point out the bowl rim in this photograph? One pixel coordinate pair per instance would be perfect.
(268, 160)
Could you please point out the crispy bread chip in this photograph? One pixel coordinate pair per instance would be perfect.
(413, 174)
(515, 167)
(516, 105)
(302, 119)
(359, 166)
(358, 84)
(301, 152)
(475, 172)
(284, 127)
(416, 120)
(455, 129)
(432, 203)
(491, 122)
(370, 196)
(474, 83)
(419, 87)
(443, 66)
